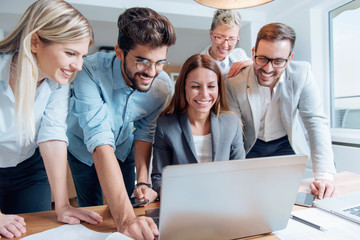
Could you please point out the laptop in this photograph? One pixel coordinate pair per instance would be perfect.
(346, 206)
(229, 199)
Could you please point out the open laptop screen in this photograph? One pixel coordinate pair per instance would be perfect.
(230, 199)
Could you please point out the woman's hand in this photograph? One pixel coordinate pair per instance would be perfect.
(11, 226)
(237, 67)
(71, 215)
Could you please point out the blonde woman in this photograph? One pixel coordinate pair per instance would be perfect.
(37, 61)
(224, 35)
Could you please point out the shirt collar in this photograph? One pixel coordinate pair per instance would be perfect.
(226, 59)
(119, 81)
(281, 80)
(5, 68)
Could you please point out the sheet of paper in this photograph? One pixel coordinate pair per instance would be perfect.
(336, 227)
(75, 232)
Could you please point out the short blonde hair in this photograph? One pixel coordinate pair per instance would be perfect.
(53, 21)
(226, 17)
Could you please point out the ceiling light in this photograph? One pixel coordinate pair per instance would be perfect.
(232, 4)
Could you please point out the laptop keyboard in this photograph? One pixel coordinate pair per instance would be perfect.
(156, 220)
(354, 210)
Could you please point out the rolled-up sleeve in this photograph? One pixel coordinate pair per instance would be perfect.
(91, 110)
(145, 127)
(53, 121)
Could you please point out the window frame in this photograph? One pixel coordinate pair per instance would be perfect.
(320, 59)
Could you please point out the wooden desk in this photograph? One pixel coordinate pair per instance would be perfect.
(37, 222)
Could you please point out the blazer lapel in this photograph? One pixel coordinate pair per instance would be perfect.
(286, 99)
(186, 129)
(215, 135)
(255, 104)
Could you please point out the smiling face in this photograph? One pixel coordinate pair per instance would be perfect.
(59, 61)
(201, 90)
(219, 51)
(267, 75)
(141, 80)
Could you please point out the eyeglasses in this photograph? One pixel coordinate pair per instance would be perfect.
(220, 39)
(276, 63)
(143, 64)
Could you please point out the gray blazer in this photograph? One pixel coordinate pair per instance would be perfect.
(174, 142)
(299, 100)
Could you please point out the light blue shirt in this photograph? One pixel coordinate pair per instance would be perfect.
(104, 110)
(50, 111)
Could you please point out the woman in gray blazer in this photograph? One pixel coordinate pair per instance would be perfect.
(197, 126)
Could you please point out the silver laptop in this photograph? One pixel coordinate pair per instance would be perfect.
(346, 206)
(230, 199)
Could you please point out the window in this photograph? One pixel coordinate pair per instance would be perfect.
(345, 65)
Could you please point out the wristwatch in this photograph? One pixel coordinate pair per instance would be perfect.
(143, 184)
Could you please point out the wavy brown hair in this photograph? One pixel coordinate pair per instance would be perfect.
(178, 103)
(144, 26)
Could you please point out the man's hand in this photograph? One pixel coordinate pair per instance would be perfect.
(11, 226)
(142, 228)
(323, 188)
(237, 67)
(71, 215)
(143, 193)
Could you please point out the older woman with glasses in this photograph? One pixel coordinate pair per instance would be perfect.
(224, 35)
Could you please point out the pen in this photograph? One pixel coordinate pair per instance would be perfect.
(135, 205)
(310, 224)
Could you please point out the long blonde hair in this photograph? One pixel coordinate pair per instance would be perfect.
(53, 21)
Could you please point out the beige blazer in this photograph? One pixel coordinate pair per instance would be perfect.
(300, 104)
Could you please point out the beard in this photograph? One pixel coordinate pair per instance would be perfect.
(135, 84)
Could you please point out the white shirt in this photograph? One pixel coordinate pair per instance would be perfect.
(203, 148)
(236, 55)
(50, 112)
(271, 127)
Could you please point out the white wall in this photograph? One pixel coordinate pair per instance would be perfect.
(248, 35)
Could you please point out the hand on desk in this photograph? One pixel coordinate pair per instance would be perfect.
(141, 228)
(143, 193)
(71, 215)
(11, 226)
(323, 188)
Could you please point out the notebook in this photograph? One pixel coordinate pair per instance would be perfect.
(229, 199)
(346, 206)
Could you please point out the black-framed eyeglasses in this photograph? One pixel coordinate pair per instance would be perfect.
(143, 64)
(220, 39)
(275, 62)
